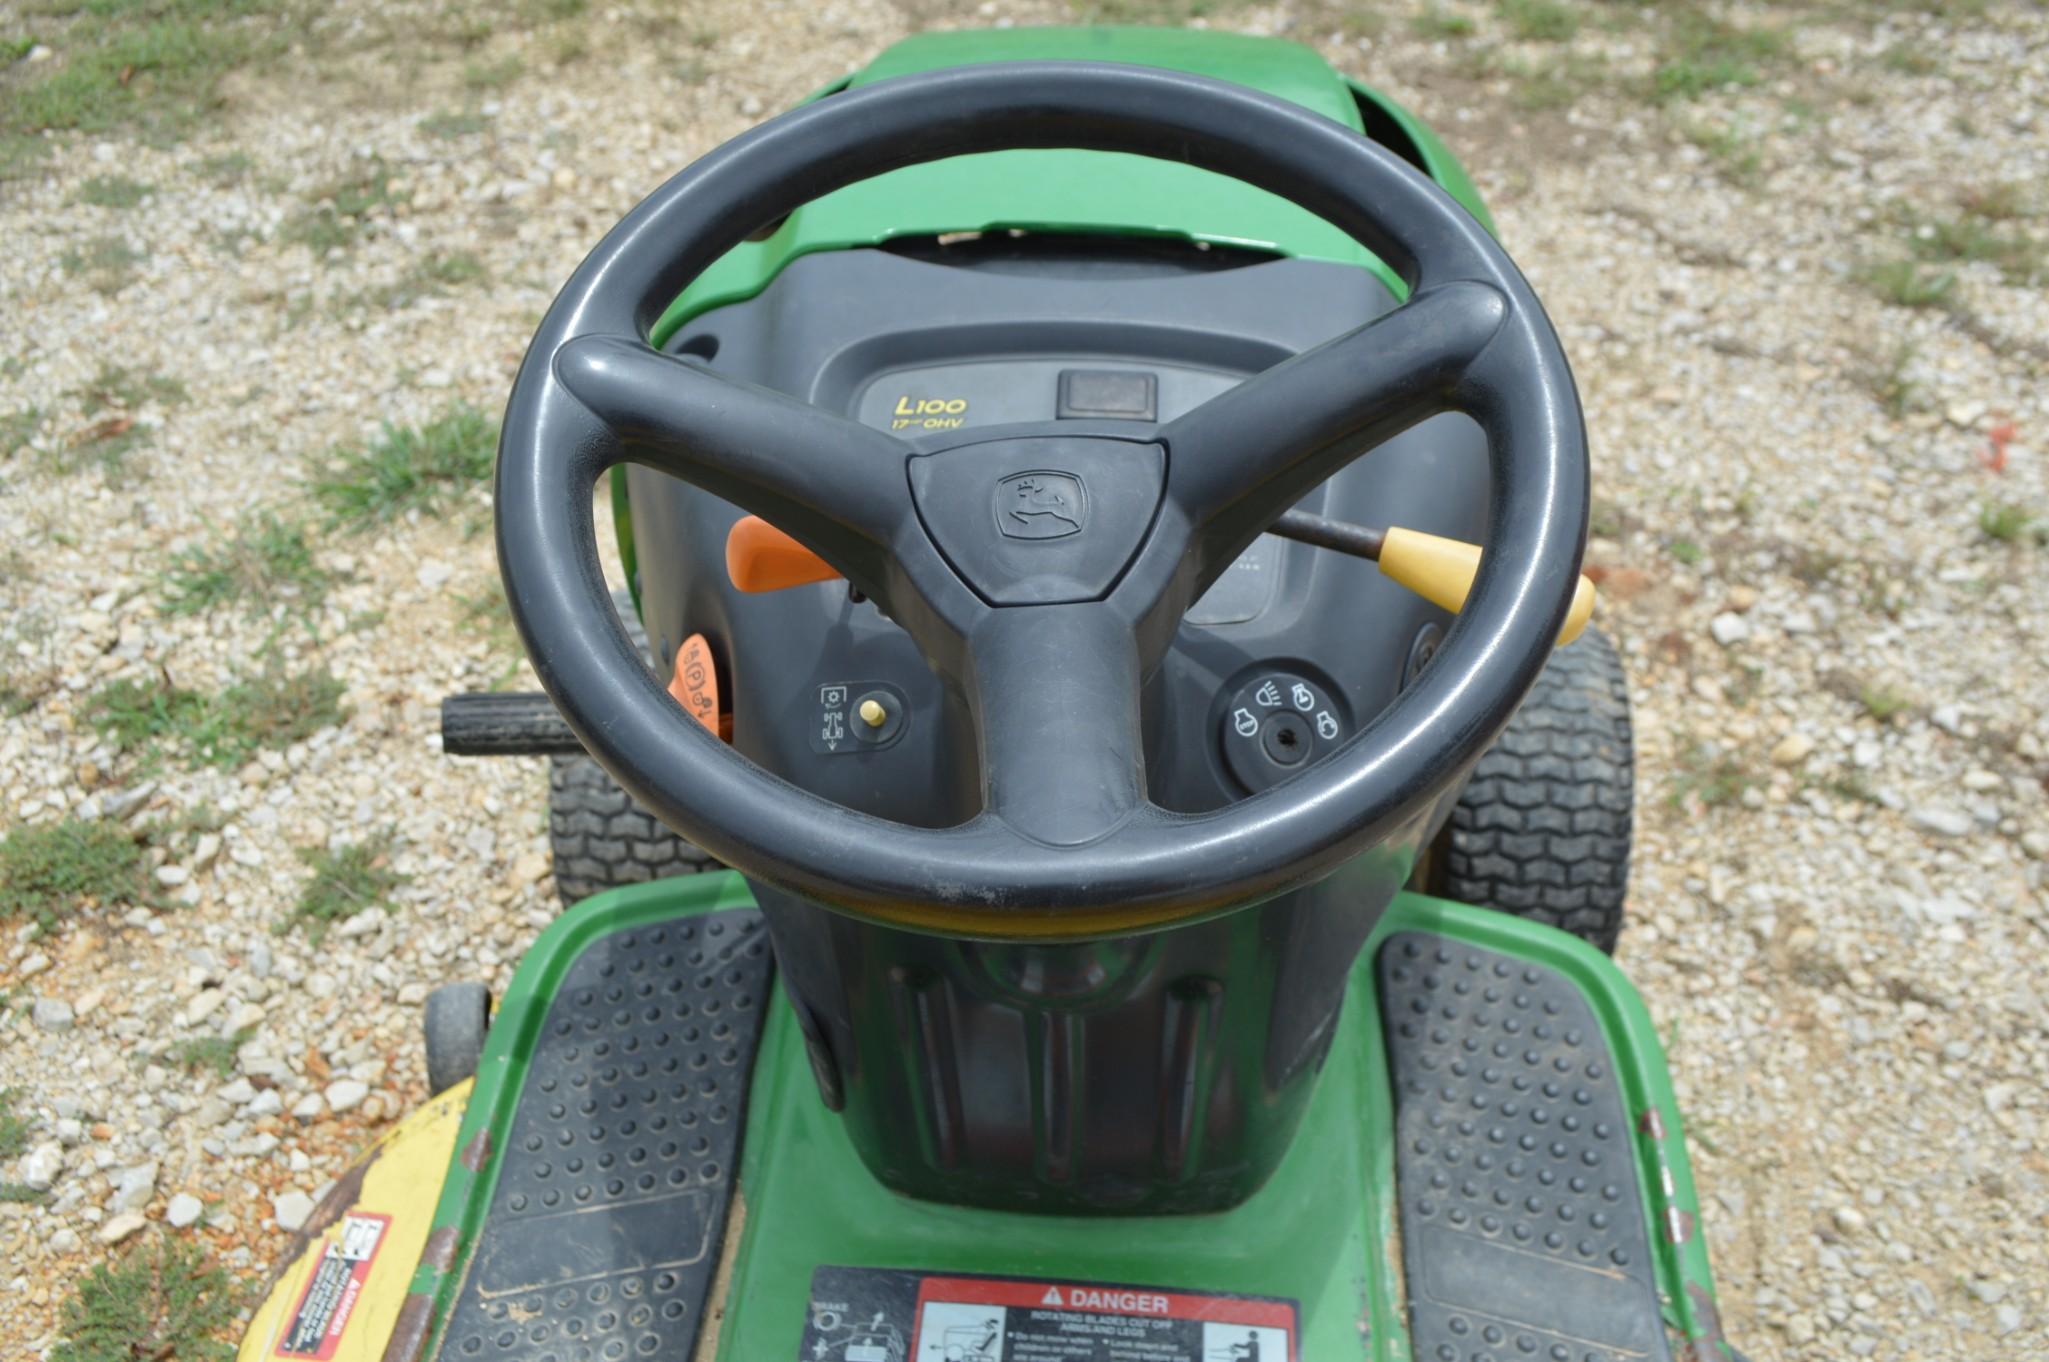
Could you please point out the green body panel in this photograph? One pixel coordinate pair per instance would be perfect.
(1067, 191)
(1320, 1232)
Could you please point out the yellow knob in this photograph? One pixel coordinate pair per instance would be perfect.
(1441, 571)
(873, 714)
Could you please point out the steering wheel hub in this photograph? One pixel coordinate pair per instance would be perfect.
(1039, 519)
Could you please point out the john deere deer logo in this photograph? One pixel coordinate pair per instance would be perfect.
(1044, 504)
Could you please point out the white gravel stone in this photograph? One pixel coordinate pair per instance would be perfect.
(291, 1210)
(52, 1014)
(119, 1227)
(183, 1210)
(1729, 629)
(1940, 819)
(133, 1188)
(345, 1094)
(42, 1166)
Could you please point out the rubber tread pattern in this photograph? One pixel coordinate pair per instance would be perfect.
(599, 835)
(1522, 1227)
(610, 1205)
(1543, 828)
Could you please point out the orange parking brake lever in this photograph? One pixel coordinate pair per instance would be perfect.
(760, 557)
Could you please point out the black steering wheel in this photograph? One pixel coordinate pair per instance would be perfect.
(1048, 635)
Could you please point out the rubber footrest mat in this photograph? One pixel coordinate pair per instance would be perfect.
(610, 1206)
(1522, 1227)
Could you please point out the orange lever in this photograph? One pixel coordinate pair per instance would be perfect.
(760, 557)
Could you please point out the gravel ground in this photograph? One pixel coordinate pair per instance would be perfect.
(1837, 640)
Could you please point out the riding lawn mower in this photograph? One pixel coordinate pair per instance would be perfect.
(1100, 521)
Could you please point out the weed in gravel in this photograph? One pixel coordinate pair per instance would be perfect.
(1710, 778)
(107, 443)
(1440, 23)
(114, 191)
(163, 1302)
(48, 869)
(1734, 156)
(1882, 702)
(491, 75)
(1998, 201)
(18, 429)
(449, 126)
(1905, 283)
(336, 212)
(344, 883)
(1540, 20)
(13, 1129)
(228, 168)
(407, 469)
(123, 389)
(267, 561)
(1703, 54)
(432, 277)
(1685, 551)
(274, 708)
(1975, 239)
(1553, 83)
(213, 1053)
(1909, 59)
(1888, 380)
(106, 262)
(2004, 522)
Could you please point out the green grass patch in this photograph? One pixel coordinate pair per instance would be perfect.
(1685, 551)
(334, 217)
(151, 66)
(275, 708)
(1882, 702)
(119, 388)
(1439, 23)
(106, 443)
(163, 1302)
(114, 191)
(1909, 59)
(106, 263)
(1975, 239)
(1889, 381)
(432, 277)
(215, 1054)
(14, 1128)
(1907, 283)
(17, 429)
(1734, 156)
(228, 168)
(449, 126)
(1540, 20)
(1710, 777)
(2004, 522)
(492, 75)
(267, 561)
(344, 883)
(1703, 54)
(408, 468)
(48, 870)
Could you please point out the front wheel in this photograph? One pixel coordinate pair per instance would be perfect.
(1542, 830)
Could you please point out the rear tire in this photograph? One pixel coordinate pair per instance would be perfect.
(599, 835)
(1542, 830)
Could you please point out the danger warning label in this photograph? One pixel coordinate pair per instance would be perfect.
(882, 1315)
(329, 1298)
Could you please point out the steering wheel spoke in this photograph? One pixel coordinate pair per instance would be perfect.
(831, 482)
(1054, 690)
(1246, 455)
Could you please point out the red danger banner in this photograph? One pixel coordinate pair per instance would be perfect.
(886, 1315)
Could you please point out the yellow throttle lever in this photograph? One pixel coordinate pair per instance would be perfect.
(1441, 571)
